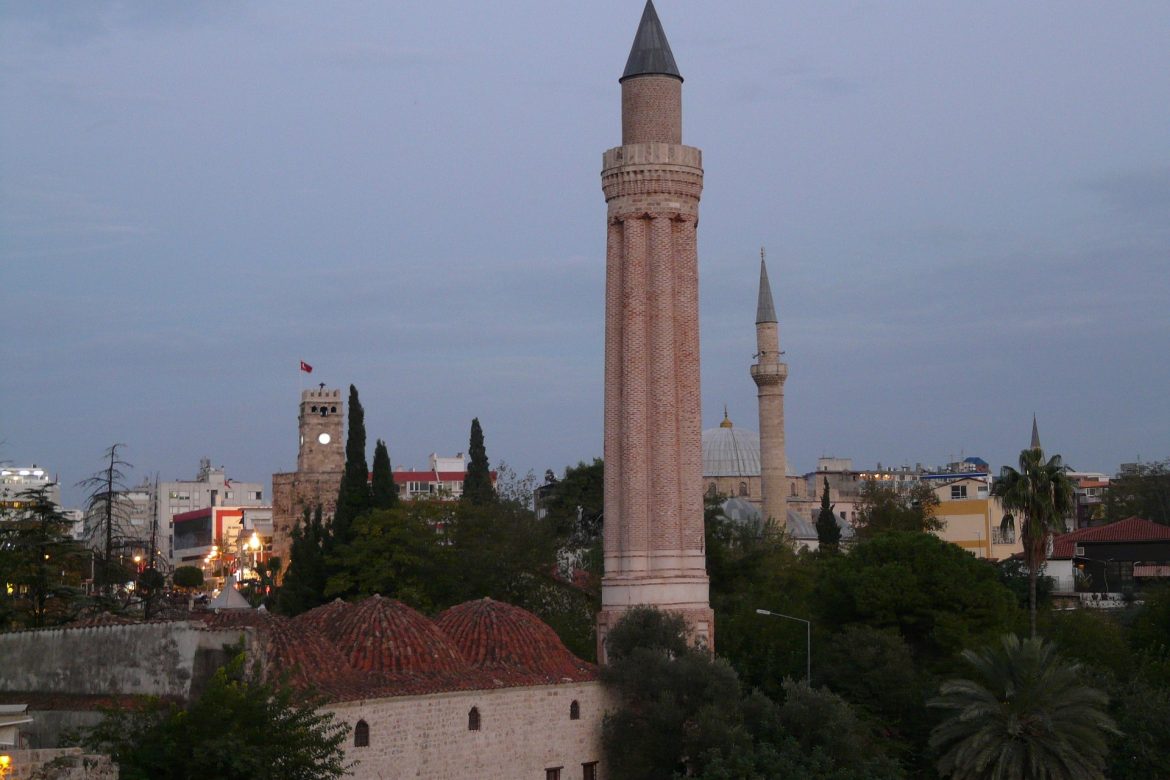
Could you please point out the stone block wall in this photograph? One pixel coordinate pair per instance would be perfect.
(522, 732)
(154, 659)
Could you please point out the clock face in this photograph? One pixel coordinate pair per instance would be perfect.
(324, 438)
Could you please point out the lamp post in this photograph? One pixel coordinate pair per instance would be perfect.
(807, 640)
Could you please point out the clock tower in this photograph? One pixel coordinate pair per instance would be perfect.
(321, 447)
(320, 464)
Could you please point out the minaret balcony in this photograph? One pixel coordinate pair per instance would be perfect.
(773, 374)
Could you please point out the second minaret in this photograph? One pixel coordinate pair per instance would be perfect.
(769, 374)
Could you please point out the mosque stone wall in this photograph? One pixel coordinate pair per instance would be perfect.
(523, 732)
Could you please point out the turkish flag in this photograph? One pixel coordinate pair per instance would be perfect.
(306, 367)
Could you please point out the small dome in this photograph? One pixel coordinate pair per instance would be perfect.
(384, 635)
(305, 658)
(320, 618)
(500, 637)
(741, 511)
(730, 452)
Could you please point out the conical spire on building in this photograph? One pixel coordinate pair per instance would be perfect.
(1035, 434)
(650, 54)
(765, 310)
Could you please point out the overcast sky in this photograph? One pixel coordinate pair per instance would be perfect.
(966, 209)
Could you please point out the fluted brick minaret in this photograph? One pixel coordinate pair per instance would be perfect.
(654, 544)
(769, 374)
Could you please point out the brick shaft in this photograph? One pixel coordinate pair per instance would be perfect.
(654, 542)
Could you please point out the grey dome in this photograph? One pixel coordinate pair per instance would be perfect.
(730, 452)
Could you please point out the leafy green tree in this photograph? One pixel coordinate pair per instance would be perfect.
(1013, 573)
(884, 508)
(384, 491)
(477, 484)
(1041, 493)
(400, 553)
(935, 594)
(240, 729)
(353, 498)
(304, 582)
(1028, 715)
(188, 577)
(675, 703)
(1143, 491)
(1141, 707)
(40, 562)
(576, 503)
(828, 532)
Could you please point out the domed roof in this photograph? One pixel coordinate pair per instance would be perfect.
(384, 635)
(730, 452)
(499, 637)
(304, 657)
(320, 618)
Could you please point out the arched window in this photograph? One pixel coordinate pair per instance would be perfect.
(361, 734)
(473, 719)
(743, 491)
(574, 711)
(712, 489)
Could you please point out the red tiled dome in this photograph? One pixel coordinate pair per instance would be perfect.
(300, 655)
(384, 635)
(499, 637)
(320, 618)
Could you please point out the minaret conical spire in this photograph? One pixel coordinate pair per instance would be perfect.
(1035, 434)
(765, 309)
(650, 54)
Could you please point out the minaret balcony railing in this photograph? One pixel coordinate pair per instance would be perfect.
(774, 374)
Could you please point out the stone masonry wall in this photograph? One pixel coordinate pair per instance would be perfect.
(159, 659)
(523, 732)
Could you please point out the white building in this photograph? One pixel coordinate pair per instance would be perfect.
(15, 480)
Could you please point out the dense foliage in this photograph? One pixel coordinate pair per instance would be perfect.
(40, 564)
(828, 532)
(1141, 491)
(1027, 715)
(239, 729)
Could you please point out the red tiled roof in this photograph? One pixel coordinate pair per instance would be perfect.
(499, 637)
(384, 635)
(1132, 529)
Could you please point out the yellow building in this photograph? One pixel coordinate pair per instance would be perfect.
(974, 519)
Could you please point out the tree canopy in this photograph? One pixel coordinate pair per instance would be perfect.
(240, 728)
(477, 483)
(828, 532)
(884, 508)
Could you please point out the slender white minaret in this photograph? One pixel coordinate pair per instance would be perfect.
(769, 374)
(654, 541)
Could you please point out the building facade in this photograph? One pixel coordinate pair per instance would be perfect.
(654, 537)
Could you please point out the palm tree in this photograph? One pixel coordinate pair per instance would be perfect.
(1041, 494)
(1029, 716)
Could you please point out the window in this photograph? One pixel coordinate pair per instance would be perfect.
(553, 774)
(743, 491)
(361, 734)
(473, 719)
(589, 771)
(712, 490)
(958, 491)
(574, 711)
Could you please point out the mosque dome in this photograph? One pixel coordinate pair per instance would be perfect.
(384, 635)
(730, 452)
(498, 637)
(304, 658)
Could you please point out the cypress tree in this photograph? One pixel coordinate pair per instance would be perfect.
(828, 532)
(354, 497)
(477, 485)
(385, 494)
(304, 582)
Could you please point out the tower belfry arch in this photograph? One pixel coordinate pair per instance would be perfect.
(654, 536)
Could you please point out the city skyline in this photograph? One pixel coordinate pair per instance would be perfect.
(965, 210)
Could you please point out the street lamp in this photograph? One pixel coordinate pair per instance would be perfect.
(807, 639)
(5, 765)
